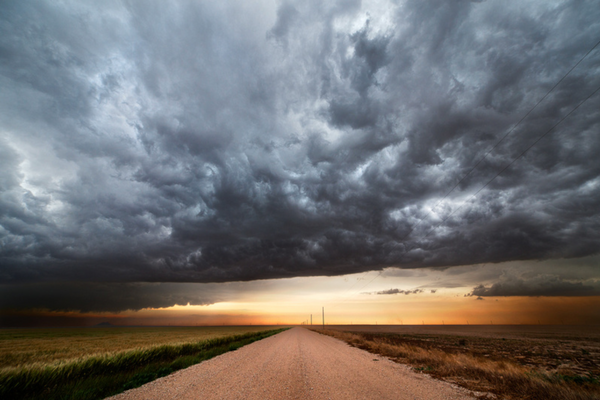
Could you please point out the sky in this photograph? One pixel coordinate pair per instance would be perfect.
(235, 162)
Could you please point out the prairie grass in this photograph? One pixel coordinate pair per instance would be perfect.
(23, 347)
(502, 378)
(102, 375)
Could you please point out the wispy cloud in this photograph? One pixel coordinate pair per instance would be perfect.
(397, 291)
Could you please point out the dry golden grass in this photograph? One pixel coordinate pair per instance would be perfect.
(24, 347)
(502, 378)
(95, 377)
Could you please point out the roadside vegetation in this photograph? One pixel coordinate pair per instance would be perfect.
(103, 375)
(502, 378)
(24, 347)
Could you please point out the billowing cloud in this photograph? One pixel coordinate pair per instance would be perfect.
(224, 141)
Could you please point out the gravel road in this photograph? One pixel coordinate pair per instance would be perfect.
(297, 364)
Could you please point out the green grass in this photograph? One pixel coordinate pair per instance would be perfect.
(100, 376)
(24, 347)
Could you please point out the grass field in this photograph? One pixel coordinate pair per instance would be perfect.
(513, 362)
(25, 347)
(118, 358)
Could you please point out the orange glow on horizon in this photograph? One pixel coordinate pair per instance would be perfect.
(368, 310)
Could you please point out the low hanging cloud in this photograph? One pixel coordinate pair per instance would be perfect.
(234, 141)
(105, 297)
(398, 291)
(539, 286)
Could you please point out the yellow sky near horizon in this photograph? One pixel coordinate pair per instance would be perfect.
(423, 296)
(449, 307)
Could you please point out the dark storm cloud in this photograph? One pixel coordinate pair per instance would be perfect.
(539, 286)
(208, 142)
(103, 297)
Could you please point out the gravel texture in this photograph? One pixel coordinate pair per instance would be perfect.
(297, 364)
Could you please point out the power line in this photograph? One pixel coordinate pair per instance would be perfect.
(492, 148)
(342, 298)
(507, 134)
(519, 156)
(355, 283)
(431, 229)
(368, 283)
(517, 124)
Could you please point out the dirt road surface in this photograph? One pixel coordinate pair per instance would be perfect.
(297, 364)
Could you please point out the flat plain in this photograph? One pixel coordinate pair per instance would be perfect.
(513, 361)
(553, 348)
(28, 347)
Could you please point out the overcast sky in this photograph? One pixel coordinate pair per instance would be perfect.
(191, 141)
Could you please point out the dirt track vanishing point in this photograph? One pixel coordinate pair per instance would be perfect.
(297, 364)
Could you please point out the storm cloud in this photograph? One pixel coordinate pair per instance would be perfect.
(230, 141)
(540, 286)
(102, 297)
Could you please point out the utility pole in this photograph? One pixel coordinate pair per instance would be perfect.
(323, 310)
(311, 319)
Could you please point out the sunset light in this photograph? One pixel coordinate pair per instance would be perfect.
(183, 179)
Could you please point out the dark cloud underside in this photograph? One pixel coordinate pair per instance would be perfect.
(102, 297)
(545, 285)
(208, 142)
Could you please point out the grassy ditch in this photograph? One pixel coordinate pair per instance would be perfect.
(503, 378)
(99, 376)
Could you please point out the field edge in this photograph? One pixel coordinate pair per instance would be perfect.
(98, 377)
